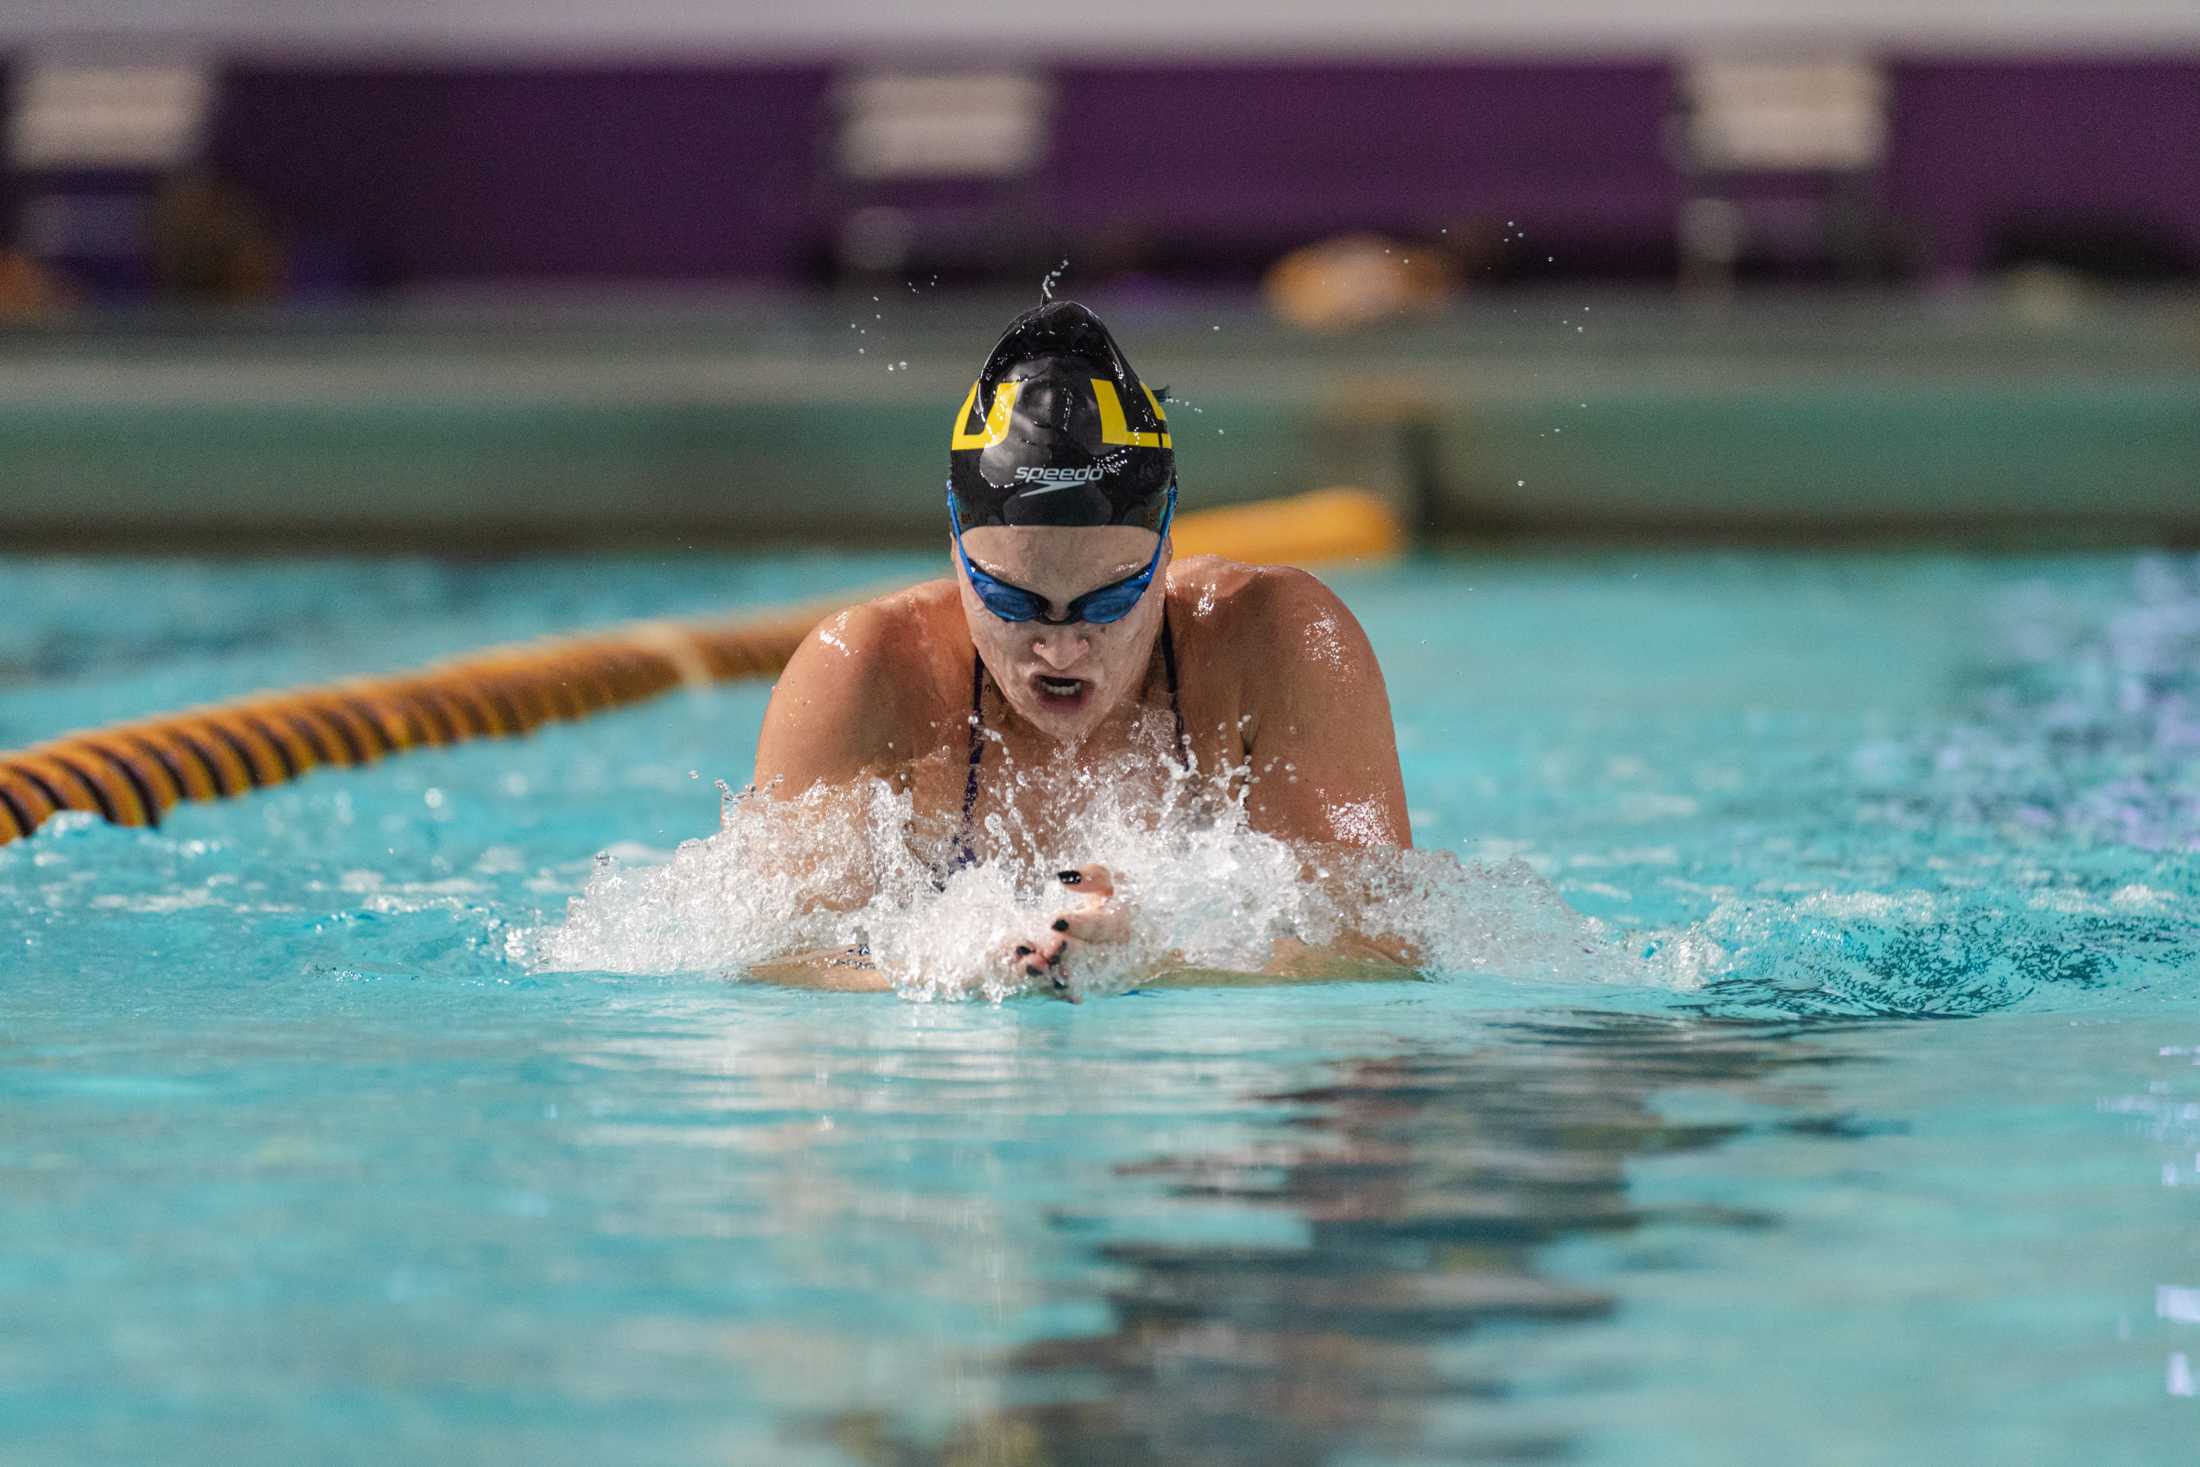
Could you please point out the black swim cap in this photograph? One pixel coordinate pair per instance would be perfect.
(1058, 430)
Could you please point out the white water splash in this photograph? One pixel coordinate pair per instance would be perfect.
(1205, 890)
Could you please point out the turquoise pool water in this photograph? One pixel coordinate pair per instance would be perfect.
(1878, 1138)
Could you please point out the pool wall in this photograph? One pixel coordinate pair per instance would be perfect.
(482, 426)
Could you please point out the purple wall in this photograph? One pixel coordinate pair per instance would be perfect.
(577, 172)
(402, 175)
(9, 186)
(1277, 155)
(385, 174)
(1976, 145)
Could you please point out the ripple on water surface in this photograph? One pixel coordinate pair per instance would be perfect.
(2026, 836)
(298, 1158)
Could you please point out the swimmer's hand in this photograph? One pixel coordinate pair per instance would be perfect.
(1092, 914)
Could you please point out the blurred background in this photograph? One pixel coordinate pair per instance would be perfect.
(484, 275)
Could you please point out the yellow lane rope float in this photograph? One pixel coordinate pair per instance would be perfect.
(131, 773)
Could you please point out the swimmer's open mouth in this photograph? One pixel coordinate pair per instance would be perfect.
(1063, 694)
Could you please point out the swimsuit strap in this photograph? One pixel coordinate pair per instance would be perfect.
(1176, 704)
(965, 855)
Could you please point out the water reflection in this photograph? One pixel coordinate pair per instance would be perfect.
(1428, 1183)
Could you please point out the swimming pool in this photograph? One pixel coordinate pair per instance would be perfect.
(1877, 1138)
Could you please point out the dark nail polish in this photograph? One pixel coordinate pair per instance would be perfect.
(1033, 970)
(1061, 924)
(1023, 952)
(1069, 878)
(1061, 980)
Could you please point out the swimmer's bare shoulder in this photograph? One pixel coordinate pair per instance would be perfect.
(863, 686)
(1280, 647)
(859, 692)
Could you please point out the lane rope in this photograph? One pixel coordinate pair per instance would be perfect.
(133, 773)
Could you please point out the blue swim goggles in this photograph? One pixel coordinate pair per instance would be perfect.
(1109, 603)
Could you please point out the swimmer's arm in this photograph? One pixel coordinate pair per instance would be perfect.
(1352, 955)
(826, 970)
(832, 709)
(1324, 754)
(1349, 959)
(827, 725)
(1095, 916)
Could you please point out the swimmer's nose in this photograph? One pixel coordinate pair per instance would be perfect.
(1060, 647)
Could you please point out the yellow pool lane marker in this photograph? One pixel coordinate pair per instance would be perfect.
(131, 773)
(1306, 529)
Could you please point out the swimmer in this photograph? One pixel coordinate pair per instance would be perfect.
(1067, 638)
